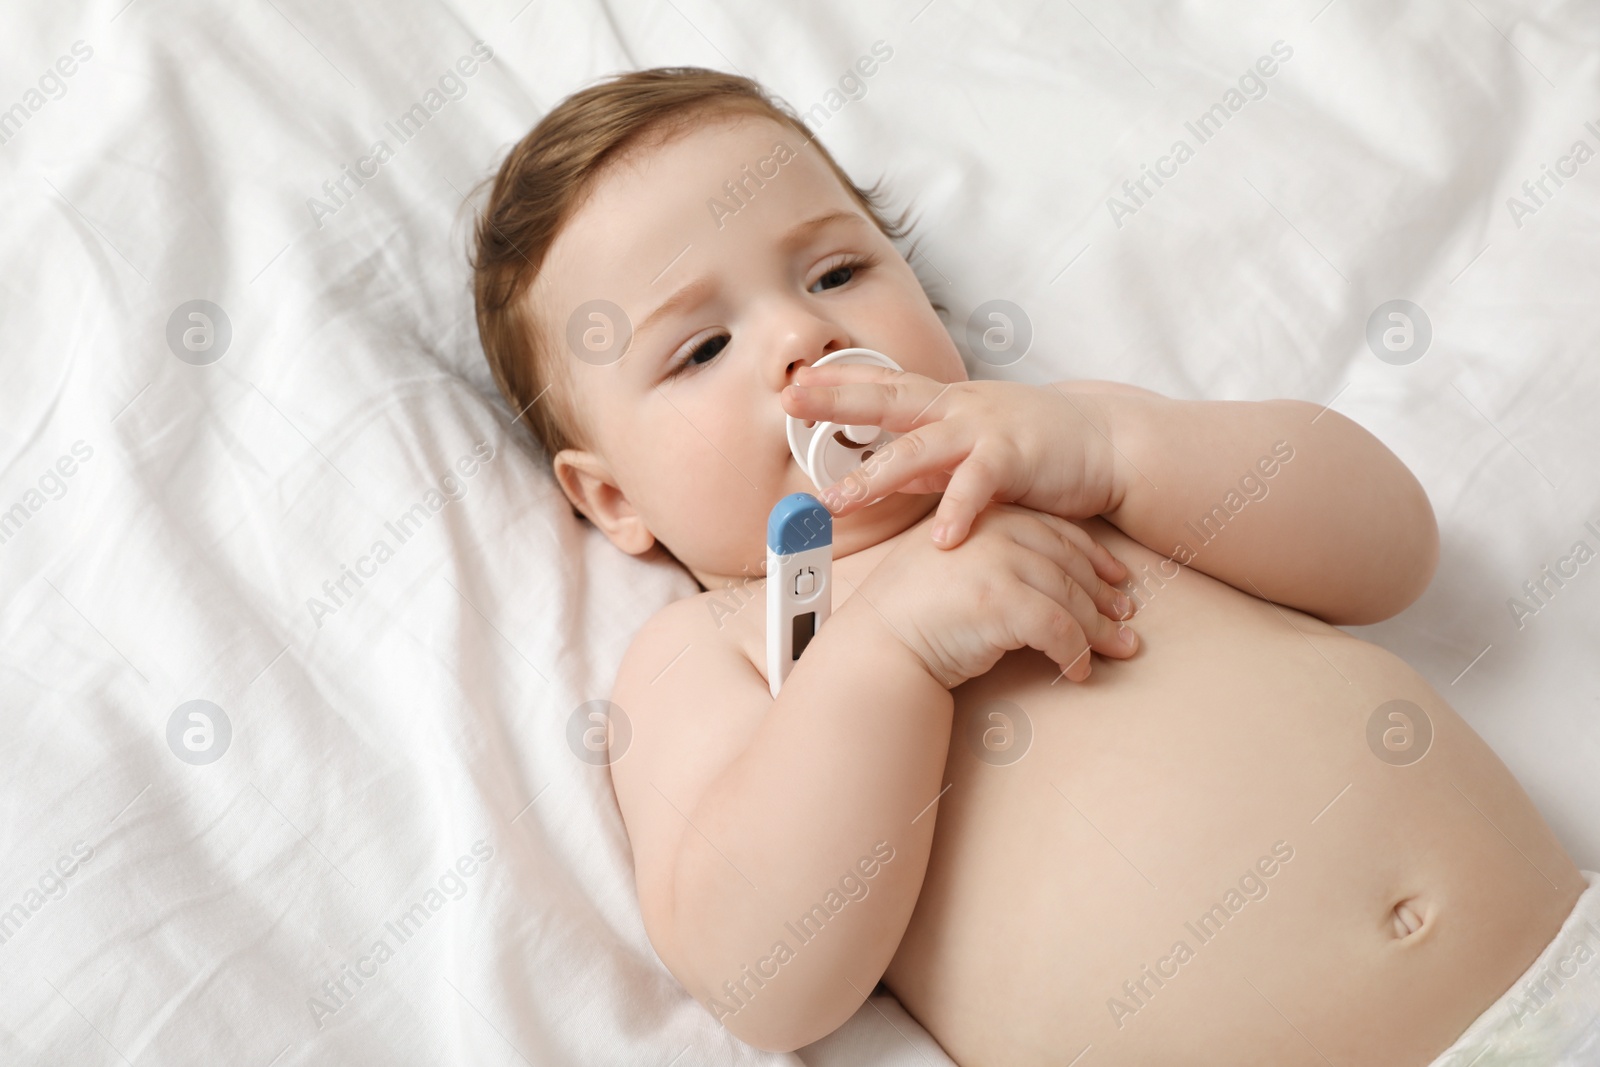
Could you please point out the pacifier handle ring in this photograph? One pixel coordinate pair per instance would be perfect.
(872, 432)
(822, 439)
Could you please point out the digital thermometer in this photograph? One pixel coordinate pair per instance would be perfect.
(799, 580)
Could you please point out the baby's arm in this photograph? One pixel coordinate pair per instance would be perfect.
(779, 845)
(745, 812)
(1279, 498)
(1339, 528)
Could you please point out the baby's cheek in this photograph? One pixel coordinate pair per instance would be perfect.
(712, 519)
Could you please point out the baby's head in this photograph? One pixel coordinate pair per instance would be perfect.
(658, 257)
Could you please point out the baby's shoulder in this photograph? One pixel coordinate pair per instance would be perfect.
(734, 617)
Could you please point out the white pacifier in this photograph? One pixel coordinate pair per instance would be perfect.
(827, 451)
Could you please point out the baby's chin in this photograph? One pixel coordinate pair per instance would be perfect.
(864, 525)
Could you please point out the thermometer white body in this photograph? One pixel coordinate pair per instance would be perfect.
(799, 580)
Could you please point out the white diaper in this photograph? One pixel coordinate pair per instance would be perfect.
(1550, 1017)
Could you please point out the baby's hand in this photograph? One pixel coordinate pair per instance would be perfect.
(1021, 578)
(975, 441)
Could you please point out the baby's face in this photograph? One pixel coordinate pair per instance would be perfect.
(725, 303)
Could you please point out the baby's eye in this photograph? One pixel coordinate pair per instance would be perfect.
(839, 274)
(703, 353)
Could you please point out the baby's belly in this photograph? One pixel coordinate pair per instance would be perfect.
(1198, 857)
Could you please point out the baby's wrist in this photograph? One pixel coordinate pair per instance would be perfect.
(881, 642)
(1117, 474)
(1092, 420)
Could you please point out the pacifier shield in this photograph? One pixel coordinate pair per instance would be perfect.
(829, 451)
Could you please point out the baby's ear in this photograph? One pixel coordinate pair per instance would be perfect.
(588, 483)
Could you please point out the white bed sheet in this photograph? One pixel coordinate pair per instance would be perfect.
(377, 741)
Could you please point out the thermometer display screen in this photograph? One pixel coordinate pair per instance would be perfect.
(805, 627)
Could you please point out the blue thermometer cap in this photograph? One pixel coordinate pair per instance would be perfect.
(798, 522)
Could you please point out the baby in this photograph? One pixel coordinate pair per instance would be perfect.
(1080, 766)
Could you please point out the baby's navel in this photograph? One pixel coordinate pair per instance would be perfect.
(1407, 918)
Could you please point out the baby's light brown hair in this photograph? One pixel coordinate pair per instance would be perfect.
(545, 179)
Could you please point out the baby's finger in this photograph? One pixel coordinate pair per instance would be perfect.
(1037, 621)
(1105, 636)
(834, 373)
(1045, 539)
(1106, 565)
(974, 483)
(900, 402)
(923, 453)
